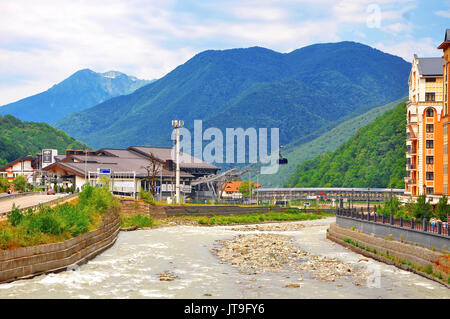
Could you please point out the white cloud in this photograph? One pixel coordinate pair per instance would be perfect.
(44, 42)
(423, 47)
(442, 13)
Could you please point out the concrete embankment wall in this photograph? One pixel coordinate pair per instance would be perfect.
(424, 239)
(36, 260)
(418, 256)
(129, 207)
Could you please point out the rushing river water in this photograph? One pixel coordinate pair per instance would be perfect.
(131, 268)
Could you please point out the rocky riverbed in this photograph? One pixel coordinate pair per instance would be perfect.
(257, 253)
(270, 227)
(176, 262)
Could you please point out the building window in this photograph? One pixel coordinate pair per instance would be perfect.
(430, 112)
(430, 176)
(430, 97)
(430, 159)
(430, 144)
(430, 190)
(430, 79)
(430, 128)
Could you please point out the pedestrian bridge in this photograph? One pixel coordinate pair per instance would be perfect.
(373, 194)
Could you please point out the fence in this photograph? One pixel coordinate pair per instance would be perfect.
(424, 225)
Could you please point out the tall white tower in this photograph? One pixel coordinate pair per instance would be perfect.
(177, 124)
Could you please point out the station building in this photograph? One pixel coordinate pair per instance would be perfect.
(129, 170)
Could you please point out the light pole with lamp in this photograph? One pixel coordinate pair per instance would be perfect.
(177, 124)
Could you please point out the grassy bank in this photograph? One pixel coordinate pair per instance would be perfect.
(138, 220)
(55, 224)
(255, 218)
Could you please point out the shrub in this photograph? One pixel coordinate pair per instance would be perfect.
(4, 185)
(147, 197)
(428, 269)
(20, 182)
(139, 220)
(5, 236)
(15, 217)
(58, 223)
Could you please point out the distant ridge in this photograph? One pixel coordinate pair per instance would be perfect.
(83, 89)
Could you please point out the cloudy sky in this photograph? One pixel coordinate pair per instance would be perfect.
(42, 42)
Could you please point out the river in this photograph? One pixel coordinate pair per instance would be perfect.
(131, 268)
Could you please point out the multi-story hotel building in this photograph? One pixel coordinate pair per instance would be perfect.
(445, 46)
(427, 155)
(424, 138)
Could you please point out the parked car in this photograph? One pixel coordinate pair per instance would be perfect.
(51, 192)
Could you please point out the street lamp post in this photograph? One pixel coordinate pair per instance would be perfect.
(424, 201)
(177, 124)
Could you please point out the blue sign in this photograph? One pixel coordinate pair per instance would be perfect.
(158, 188)
(104, 171)
(307, 204)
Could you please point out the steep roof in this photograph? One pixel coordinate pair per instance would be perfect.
(20, 159)
(121, 166)
(430, 66)
(446, 42)
(165, 153)
(233, 186)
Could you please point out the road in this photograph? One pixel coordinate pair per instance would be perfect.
(26, 201)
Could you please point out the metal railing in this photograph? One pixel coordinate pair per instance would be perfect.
(438, 228)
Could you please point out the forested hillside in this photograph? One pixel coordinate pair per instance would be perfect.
(19, 138)
(373, 157)
(329, 141)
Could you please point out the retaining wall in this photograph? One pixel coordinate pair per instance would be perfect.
(418, 256)
(31, 261)
(129, 206)
(424, 239)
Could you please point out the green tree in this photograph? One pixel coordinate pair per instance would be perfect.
(422, 208)
(20, 182)
(4, 185)
(391, 206)
(246, 188)
(443, 208)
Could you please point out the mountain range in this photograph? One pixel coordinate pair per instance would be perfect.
(81, 90)
(300, 92)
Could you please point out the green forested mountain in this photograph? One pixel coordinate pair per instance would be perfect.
(373, 157)
(81, 90)
(298, 92)
(308, 148)
(19, 138)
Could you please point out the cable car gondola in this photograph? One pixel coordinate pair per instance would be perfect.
(281, 160)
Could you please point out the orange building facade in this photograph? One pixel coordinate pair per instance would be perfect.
(427, 155)
(445, 47)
